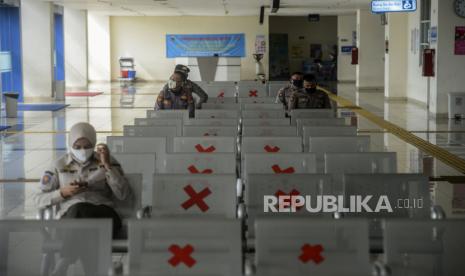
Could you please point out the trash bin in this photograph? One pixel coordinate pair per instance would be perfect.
(60, 90)
(11, 104)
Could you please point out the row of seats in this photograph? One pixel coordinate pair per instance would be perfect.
(198, 202)
(227, 91)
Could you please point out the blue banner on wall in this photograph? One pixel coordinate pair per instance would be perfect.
(208, 45)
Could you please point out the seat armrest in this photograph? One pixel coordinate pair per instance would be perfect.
(380, 269)
(241, 211)
(239, 188)
(45, 213)
(437, 212)
(249, 267)
(145, 212)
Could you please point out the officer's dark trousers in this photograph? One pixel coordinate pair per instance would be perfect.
(75, 248)
(88, 210)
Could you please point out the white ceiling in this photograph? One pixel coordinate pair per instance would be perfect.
(213, 7)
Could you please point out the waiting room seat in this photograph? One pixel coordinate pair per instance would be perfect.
(319, 122)
(325, 131)
(252, 90)
(211, 122)
(125, 144)
(266, 122)
(281, 131)
(29, 247)
(310, 114)
(168, 114)
(204, 144)
(193, 163)
(194, 195)
(262, 100)
(216, 114)
(263, 114)
(221, 90)
(361, 162)
(200, 131)
(262, 106)
(261, 185)
(151, 131)
(142, 163)
(275, 86)
(278, 163)
(159, 122)
(173, 246)
(226, 106)
(320, 247)
(271, 144)
(424, 247)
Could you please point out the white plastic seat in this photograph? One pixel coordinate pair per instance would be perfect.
(262, 106)
(142, 163)
(424, 247)
(339, 144)
(196, 246)
(395, 187)
(325, 131)
(267, 100)
(217, 90)
(256, 90)
(206, 195)
(204, 144)
(278, 163)
(199, 131)
(282, 131)
(216, 114)
(151, 131)
(159, 122)
(40, 247)
(361, 162)
(319, 122)
(211, 122)
(261, 185)
(311, 114)
(227, 106)
(271, 144)
(222, 100)
(263, 114)
(129, 207)
(185, 163)
(168, 114)
(320, 247)
(266, 122)
(120, 144)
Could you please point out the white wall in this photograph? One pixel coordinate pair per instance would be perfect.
(98, 32)
(75, 29)
(396, 59)
(37, 41)
(347, 24)
(144, 39)
(370, 41)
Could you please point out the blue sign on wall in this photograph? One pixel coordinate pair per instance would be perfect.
(382, 6)
(346, 49)
(208, 45)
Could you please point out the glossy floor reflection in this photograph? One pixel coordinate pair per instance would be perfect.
(37, 138)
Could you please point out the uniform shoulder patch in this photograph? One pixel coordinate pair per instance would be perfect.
(46, 178)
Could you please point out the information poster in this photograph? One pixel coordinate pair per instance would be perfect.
(260, 44)
(205, 45)
(460, 40)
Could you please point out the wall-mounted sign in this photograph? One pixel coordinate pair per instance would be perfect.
(460, 40)
(433, 35)
(382, 6)
(205, 45)
(260, 44)
(346, 50)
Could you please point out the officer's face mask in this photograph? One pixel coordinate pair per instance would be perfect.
(297, 83)
(172, 84)
(82, 154)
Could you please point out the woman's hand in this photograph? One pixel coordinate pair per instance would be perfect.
(104, 154)
(72, 189)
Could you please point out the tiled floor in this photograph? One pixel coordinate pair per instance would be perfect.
(41, 138)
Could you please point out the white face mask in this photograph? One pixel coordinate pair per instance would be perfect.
(172, 84)
(82, 154)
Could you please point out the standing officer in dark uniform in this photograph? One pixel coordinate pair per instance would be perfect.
(310, 97)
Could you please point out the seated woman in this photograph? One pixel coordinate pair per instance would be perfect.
(83, 183)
